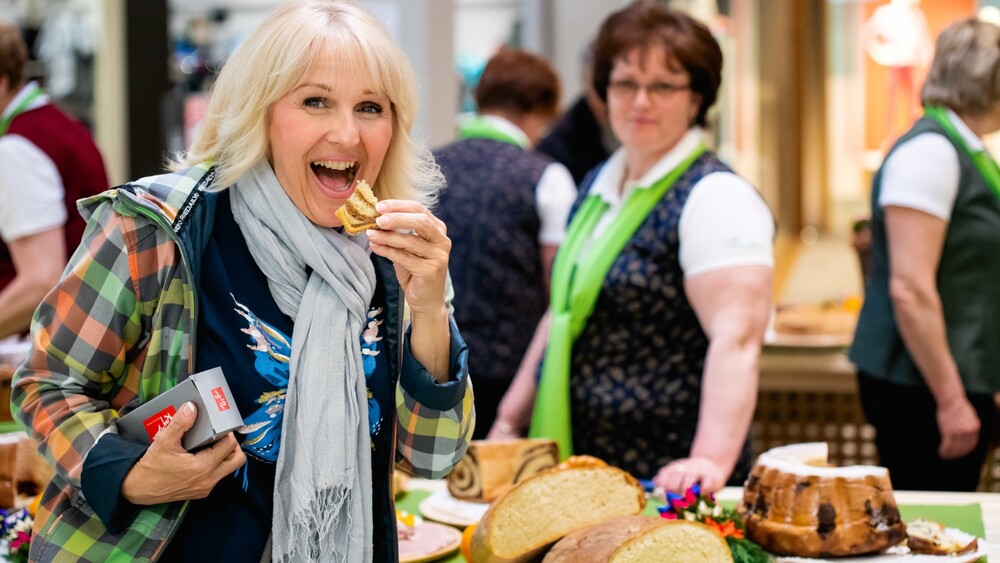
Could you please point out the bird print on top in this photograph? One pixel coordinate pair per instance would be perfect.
(369, 350)
(272, 350)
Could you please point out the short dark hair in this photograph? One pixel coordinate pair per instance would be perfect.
(13, 54)
(519, 82)
(645, 24)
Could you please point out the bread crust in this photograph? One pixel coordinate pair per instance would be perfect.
(601, 543)
(484, 549)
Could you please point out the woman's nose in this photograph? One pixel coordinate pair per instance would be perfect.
(642, 97)
(343, 130)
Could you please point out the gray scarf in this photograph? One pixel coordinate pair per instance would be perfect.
(325, 282)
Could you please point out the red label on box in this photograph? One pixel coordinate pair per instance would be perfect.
(220, 399)
(158, 421)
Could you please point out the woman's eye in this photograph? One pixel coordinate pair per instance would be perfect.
(314, 103)
(370, 108)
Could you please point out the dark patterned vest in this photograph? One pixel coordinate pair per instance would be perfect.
(70, 146)
(636, 369)
(966, 281)
(491, 213)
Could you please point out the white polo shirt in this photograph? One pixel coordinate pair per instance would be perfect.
(31, 189)
(724, 222)
(923, 173)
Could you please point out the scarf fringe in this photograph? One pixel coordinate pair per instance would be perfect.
(323, 542)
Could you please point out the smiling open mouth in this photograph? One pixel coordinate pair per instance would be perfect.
(335, 175)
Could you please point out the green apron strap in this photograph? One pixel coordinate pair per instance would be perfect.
(33, 95)
(576, 284)
(482, 128)
(982, 159)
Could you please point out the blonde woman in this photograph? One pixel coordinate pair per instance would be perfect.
(662, 289)
(237, 255)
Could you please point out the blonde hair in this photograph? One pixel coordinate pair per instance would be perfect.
(276, 56)
(965, 72)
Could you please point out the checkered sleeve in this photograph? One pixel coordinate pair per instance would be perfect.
(83, 353)
(434, 420)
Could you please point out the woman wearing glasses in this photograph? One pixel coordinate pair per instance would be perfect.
(662, 290)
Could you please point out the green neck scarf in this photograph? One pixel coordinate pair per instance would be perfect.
(33, 95)
(482, 128)
(984, 163)
(576, 283)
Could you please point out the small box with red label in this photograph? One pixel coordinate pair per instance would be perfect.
(208, 390)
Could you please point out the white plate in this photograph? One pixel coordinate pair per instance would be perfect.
(901, 554)
(430, 541)
(443, 507)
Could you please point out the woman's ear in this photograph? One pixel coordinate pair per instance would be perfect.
(695, 108)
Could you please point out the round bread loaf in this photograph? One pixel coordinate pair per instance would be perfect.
(640, 539)
(794, 504)
(540, 510)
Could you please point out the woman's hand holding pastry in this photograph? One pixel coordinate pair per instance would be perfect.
(421, 259)
(680, 474)
(167, 472)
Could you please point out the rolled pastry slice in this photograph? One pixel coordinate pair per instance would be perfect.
(358, 212)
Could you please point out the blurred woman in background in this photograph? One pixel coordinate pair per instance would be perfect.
(662, 290)
(507, 206)
(927, 345)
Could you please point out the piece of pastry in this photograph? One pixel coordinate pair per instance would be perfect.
(490, 467)
(358, 212)
(932, 538)
(795, 504)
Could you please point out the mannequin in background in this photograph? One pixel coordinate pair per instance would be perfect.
(47, 162)
(897, 38)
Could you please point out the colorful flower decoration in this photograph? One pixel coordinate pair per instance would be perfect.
(698, 507)
(15, 531)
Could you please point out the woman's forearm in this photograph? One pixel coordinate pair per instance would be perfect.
(516, 407)
(430, 342)
(921, 324)
(728, 398)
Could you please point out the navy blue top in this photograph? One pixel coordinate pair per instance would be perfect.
(636, 369)
(242, 330)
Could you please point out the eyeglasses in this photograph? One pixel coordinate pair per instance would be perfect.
(657, 91)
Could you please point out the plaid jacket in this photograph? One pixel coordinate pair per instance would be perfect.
(120, 329)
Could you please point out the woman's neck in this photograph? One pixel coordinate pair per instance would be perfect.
(981, 124)
(640, 160)
(7, 95)
(637, 165)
